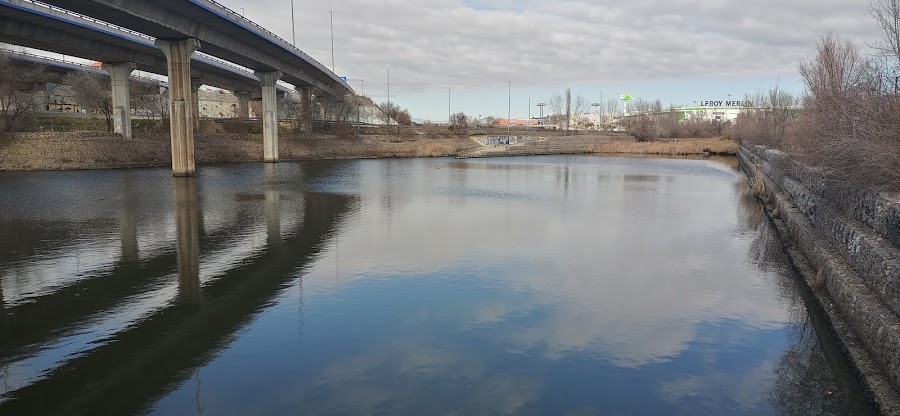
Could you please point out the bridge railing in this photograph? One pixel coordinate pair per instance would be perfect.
(230, 65)
(85, 17)
(86, 67)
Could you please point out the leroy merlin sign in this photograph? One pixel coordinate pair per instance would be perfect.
(626, 97)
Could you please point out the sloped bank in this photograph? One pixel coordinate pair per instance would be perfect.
(850, 258)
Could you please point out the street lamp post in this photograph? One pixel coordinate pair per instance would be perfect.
(449, 112)
(601, 108)
(332, 39)
(389, 98)
(541, 106)
(596, 105)
(293, 26)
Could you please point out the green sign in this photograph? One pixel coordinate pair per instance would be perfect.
(627, 97)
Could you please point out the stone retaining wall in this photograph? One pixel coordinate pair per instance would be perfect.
(854, 256)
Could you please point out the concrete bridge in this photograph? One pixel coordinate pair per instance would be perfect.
(170, 38)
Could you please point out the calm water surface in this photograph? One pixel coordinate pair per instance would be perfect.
(533, 286)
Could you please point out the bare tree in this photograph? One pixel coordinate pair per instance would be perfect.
(92, 91)
(147, 101)
(556, 104)
(393, 113)
(580, 108)
(459, 123)
(17, 85)
(612, 107)
(887, 17)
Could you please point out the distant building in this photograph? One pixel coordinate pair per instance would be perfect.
(718, 110)
(520, 122)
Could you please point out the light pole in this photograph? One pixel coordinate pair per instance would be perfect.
(529, 114)
(595, 105)
(541, 106)
(449, 116)
(293, 26)
(509, 108)
(332, 39)
(389, 98)
(601, 108)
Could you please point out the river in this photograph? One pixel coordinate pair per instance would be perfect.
(546, 285)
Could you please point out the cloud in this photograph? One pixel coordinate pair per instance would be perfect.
(431, 45)
(630, 313)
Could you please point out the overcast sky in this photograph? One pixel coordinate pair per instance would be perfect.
(679, 51)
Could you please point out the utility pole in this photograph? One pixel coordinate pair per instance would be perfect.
(509, 108)
(449, 112)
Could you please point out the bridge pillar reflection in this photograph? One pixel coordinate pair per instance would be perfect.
(119, 74)
(196, 83)
(243, 97)
(187, 246)
(273, 205)
(178, 57)
(269, 114)
(2, 306)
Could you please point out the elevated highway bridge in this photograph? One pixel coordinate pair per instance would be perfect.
(193, 42)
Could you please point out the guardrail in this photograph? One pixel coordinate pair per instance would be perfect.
(246, 71)
(88, 18)
(225, 11)
(77, 64)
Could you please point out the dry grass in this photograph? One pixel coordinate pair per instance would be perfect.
(758, 184)
(381, 146)
(65, 151)
(670, 147)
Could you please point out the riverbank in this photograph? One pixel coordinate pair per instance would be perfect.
(848, 256)
(608, 143)
(71, 151)
(85, 150)
(674, 147)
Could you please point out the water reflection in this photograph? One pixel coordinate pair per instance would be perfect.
(571, 285)
(187, 229)
(153, 345)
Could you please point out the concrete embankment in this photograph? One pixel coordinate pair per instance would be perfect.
(534, 145)
(610, 143)
(849, 255)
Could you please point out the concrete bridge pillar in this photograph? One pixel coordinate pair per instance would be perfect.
(306, 112)
(269, 114)
(119, 74)
(178, 57)
(243, 97)
(195, 99)
(187, 246)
